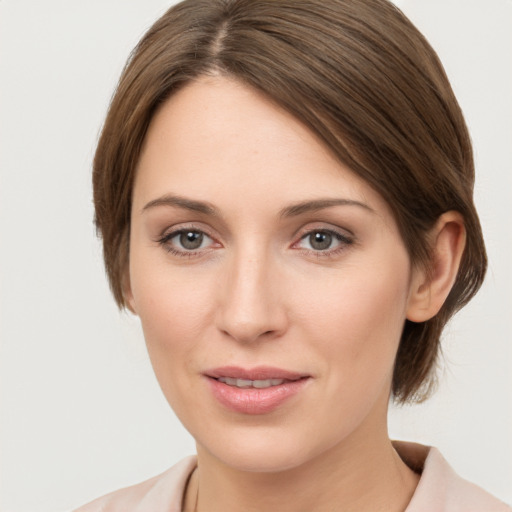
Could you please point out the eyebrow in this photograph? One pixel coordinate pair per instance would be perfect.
(182, 202)
(290, 211)
(320, 204)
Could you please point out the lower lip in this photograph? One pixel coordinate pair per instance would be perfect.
(254, 400)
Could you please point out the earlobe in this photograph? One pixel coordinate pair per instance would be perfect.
(430, 287)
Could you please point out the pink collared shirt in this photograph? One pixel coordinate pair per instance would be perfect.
(440, 489)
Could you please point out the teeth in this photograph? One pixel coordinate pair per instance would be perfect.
(245, 383)
(267, 383)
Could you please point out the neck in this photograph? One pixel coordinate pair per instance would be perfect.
(358, 475)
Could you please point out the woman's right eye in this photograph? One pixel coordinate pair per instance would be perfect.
(185, 242)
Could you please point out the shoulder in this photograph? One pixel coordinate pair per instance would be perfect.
(162, 492)
(441, 489)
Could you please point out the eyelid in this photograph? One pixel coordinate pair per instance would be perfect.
(343, 236)
(170, 232)
(326, 227)
(174, 234)
(185, 226)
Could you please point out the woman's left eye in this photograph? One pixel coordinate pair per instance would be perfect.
(323, 240)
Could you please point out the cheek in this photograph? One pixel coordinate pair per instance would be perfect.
(173, 317)
(355, 328)
(174, 311)
(357, 319)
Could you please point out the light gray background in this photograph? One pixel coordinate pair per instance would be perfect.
(81, 411)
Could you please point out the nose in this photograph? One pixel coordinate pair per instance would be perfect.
(251, 306)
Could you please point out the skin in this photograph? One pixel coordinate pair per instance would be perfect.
(259, 291)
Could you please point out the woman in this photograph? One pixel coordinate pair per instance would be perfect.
(284, 192)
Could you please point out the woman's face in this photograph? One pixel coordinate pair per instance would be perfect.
(271, 282)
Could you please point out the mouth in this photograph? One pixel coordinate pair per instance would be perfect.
(258, 390)
(242, 377)
(257, 384)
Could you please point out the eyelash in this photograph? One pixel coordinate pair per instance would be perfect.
(166, 238)
(343, 239)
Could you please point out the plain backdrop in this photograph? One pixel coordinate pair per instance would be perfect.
(81, 413)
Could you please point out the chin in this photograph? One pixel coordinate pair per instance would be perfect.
(260, 459)
(263, 449)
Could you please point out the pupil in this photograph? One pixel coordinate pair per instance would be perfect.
(191, 240)
(320, 241)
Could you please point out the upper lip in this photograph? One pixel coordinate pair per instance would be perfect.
(256, 373)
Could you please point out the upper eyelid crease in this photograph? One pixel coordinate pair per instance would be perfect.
(176, 232)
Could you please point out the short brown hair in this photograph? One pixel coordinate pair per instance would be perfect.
(361, 77)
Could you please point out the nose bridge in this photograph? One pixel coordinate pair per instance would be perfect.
(251, 305)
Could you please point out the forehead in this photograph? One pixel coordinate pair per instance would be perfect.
(222, 141)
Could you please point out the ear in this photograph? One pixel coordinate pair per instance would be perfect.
(430, 287)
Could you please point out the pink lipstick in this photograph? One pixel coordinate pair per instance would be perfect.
(258, 390)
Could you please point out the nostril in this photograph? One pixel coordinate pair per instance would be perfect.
(249, 333)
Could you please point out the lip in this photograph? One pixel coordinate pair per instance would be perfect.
(254, 400)
(256, 373)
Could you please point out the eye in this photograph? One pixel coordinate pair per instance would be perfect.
(185, 241)
(190, 240)
(320, 240)
(323, 240)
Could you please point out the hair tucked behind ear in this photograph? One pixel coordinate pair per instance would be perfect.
(358, 75)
